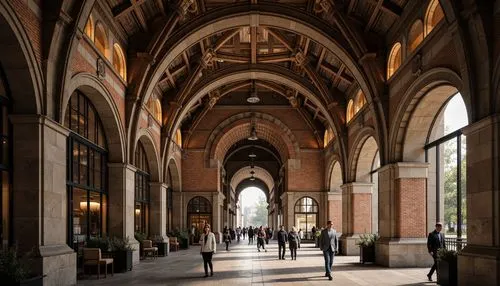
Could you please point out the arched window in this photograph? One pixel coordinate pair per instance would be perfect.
(306, 215)
(350, 110)
(101, 39)
(359, 101)
(178, 138)
(328, 137)
(394, 60)
(142, 197)
(415, 36)
(87, 169)
(433, 16)
(119, 62)
(89, 28)
(199, 213)
(154, 106)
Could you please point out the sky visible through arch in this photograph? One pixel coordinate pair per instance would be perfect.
(250, 196)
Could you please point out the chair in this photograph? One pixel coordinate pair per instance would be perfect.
(147, 246)
(174, 244)
(93, 257)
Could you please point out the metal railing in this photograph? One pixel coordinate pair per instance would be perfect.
(455, 243)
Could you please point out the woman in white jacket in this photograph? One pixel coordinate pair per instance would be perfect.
(208, 248)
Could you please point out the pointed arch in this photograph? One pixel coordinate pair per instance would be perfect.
(359, 101)
(101, 39)
(335, 177)
(433, 16)
(89, 28)
(350, 110)
(394, 60)
(173, 176)
(145, 137)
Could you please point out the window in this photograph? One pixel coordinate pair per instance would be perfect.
(89, 28)
(87, 172)
(306, 215)
(142, 196)
(199, 213)
(446, 154)
(433, 16)
(101, 39)
(415, 36)
(394, 60)
(178, 138)
(5, 167)
(328, 136)
(350, 110)
(154, 106)
(119, 62)
(359, 101)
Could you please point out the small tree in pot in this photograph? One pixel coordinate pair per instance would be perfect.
(16, 271)
(122, 254)
(366, 244)
(161, 244)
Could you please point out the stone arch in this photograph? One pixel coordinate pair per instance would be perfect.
(365, 160)
(335, 177)
(496, 86)
(146, 138)
(175, 182)
(240, 126)
(355, 151)
(106, 107)
(260, 173)
(258, 183)
(19, 63)
(409, 102)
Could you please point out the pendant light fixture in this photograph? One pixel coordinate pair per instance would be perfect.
(253, 97)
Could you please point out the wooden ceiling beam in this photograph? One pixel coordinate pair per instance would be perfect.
(281, 38)
(320, 59)
(253, 41)
(224, 38)
(330, 69)
(186, 60)
(374, 15)
(389, 7)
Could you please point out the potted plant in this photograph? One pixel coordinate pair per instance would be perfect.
(182, 238)
(99, 242)
(447, 267)
(366, 244)
(161, 244)
(122, 254)
(16, 271)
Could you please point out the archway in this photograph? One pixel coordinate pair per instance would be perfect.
(174, 187)
(253, 204)
(199, 213)
(306, 216)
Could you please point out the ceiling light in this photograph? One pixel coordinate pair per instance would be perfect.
(252, 178)
(253, 135)
(253, 98)
(252, 155)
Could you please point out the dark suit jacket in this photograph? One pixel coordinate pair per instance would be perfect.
(282, 237)
(435, 241)
(328, 239)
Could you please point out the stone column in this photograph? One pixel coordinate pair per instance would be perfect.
(403, 215)
(158, 211)
(217, 213)
(335, 210)
(122, 203)
(479, 261)
(40, 214)
(179, 215)
(356, 214)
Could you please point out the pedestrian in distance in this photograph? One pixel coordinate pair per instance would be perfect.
(282, 240)
(328, 243)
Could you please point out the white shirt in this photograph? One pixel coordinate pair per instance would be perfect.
(210, 244)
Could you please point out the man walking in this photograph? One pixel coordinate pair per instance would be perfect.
(328, 243)
(435, 241)
(282, 240)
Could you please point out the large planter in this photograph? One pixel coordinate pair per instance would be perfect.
(162, 248)
(367, 254)
(122, 261)
(447, 272)
(183, 243)
(34, 281)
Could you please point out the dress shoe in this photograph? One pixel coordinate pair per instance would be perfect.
(326, 274)
(211, 274)
(206, 275)
(330, 277)
(429, 277)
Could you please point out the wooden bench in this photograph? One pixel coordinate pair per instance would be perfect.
(174, 244)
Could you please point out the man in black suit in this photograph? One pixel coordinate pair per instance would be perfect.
(435, 241)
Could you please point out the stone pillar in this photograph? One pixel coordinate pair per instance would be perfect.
(179, 215)
(40, 214)
(356, 215)
(122, 203)
(335, 210)
(158, 211)
(403, 215)
(479, 261)
(217, 213)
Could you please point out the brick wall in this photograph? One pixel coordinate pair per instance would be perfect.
(310, 175)
(361, 213)
(410, 207)
(195, 177)
(335, 214)
(32, 24)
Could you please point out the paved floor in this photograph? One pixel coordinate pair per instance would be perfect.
(243, 265)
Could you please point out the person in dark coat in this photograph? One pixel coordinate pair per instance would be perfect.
(282, 240)
(435, 241)
(293, 242)
(227, 239)
(329, 244)
(250, 235)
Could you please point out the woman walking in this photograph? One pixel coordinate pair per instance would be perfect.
(293, 242)
(208, 248)
(227, 239)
